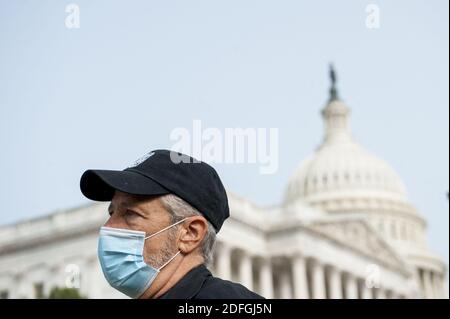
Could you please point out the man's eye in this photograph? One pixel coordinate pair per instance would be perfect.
(129, 213)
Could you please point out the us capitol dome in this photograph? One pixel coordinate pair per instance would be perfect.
(345, 180)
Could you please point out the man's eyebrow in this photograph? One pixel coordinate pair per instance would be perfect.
(135, 208)
(130, 205)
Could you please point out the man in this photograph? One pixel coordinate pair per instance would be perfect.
(165, 212)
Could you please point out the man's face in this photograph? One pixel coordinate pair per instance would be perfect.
(144, 213)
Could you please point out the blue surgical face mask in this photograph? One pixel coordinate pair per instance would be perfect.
(120, 252)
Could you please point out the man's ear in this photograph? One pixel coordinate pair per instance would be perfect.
(192, 233)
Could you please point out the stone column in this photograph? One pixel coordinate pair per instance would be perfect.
(436, 286)
(85, 281)
(224, 262)
(380, 293)
(335, 283)
(245, 271)
(57, 278)
(10, 285)
(265, 279)
(95, 277)
(24, 287)
(318, 280)
(300, 278)
(366, 292)
(351, 287)
(390, 294)
(444, 290)
(427, 284)
(285, 285)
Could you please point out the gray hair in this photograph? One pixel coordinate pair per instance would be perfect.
(179, 209)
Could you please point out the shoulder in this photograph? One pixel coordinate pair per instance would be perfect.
(216, 288)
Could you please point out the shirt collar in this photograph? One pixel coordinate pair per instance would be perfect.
(188, 286)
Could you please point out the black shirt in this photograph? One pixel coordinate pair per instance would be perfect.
(199, 283)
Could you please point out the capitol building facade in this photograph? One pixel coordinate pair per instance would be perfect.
(345, 229)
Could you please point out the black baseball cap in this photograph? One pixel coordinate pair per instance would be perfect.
(161, 172)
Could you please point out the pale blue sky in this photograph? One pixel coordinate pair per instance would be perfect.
(103, 95)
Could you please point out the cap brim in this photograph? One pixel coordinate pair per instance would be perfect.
(100, 185)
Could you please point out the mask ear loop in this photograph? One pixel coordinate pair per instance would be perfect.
(165, 264)
(160, 231)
